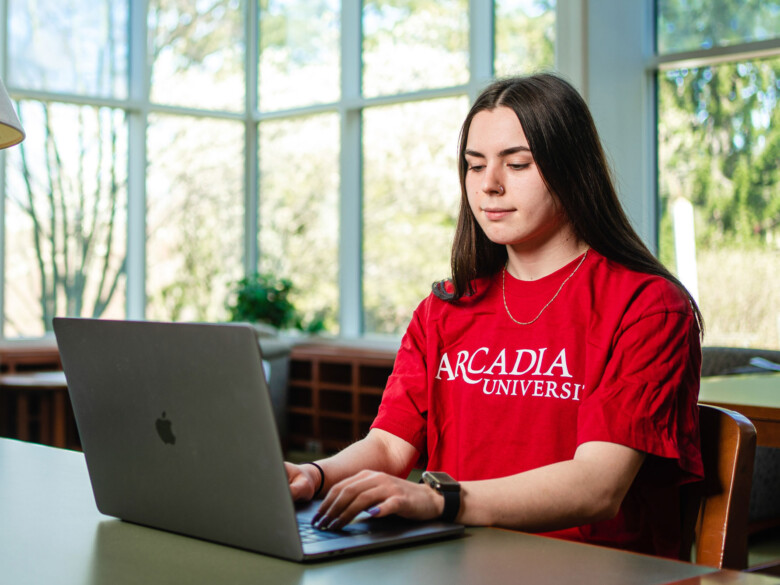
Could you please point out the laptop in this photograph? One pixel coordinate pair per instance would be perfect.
(177, 427)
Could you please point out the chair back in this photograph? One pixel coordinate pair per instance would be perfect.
(715, 510)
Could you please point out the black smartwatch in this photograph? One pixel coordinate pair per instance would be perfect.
(447, 487)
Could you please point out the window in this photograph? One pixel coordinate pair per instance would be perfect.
(411, 200)
(409, 45)
(172, 152)
(525, 35)
(194, 216)
(197, 54)
(299, 50)
(79, 48)
(718, 147)
(65, 216)
(687, 25)
(299, 219)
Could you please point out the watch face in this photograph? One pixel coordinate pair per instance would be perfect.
(440, 481)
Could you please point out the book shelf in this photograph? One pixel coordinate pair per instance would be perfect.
(333, 394)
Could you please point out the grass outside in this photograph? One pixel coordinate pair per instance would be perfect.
(739, 295)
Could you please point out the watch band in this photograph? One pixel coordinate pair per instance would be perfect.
(448, 488)
(451, 505)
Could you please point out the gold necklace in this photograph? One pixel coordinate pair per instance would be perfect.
(503, 292)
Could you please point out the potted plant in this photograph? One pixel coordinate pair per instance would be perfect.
(263, 299)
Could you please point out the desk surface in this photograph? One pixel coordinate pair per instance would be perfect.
(757, 396)
(761, 390)
(51, 532)
(40, 380)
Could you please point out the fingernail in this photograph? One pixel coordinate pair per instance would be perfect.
(322, 523)
(373, 511)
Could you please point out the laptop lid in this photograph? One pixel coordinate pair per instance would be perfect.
(177, 427)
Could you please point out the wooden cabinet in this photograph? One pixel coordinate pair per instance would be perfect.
(27, 357)
(334, 391)
(34, 403)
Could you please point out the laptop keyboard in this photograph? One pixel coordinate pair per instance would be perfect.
(310, 534)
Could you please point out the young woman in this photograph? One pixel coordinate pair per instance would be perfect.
(554, 378)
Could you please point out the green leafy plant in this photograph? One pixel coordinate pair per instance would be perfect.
(263, 298)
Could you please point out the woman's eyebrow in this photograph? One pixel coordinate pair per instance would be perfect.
(505, 152)
(514, 150)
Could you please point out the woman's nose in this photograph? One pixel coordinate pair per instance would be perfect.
(492, 182)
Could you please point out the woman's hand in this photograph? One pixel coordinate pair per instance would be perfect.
(303, 479)
(378, 494)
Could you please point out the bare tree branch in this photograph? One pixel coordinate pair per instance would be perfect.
(37, 232)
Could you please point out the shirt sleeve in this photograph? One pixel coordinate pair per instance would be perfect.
(647, 397)
(404, 407)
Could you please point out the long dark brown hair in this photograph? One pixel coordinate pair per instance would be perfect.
(567, 150)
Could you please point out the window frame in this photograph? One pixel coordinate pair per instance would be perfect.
(603, 47)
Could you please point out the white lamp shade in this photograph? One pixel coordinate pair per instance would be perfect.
(11, 131)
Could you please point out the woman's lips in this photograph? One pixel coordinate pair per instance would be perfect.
(495, 214)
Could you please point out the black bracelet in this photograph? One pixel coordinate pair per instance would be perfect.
(322, 477)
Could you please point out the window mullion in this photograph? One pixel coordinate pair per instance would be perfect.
(3, 71)
(481, 45)
(136, 173)
(251, 160)
(351, 167)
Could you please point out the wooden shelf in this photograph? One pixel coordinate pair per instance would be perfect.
(334, 392)
(34, 402)
(24, 357)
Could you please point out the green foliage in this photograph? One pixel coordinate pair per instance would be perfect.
(195, 30)
(719, 146)
(289, 26)
(263, 298)
(693, 24)
(524, 37)
(434, 23)
(299, 220)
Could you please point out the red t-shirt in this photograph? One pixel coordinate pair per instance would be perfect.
(615, 357)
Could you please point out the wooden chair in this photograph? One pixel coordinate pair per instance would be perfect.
(715, 510)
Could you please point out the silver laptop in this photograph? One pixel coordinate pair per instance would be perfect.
(177, 427)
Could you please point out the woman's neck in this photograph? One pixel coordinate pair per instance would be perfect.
(541, 261)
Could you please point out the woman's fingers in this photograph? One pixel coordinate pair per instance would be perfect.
(341, 495)
(378, 494)
(301, 486)
(350, 504)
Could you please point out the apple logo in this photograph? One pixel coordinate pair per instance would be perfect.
(165, 430)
